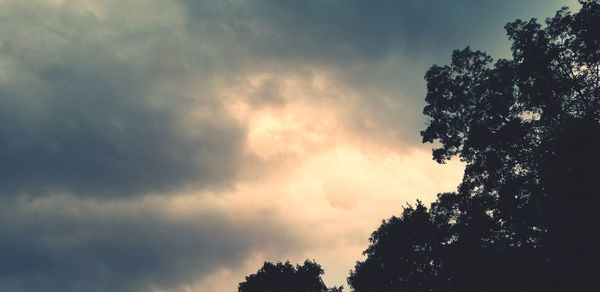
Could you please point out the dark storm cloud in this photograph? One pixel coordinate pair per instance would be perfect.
(92, 105)
(91, 110)
(334, 30)
(381, 49)
(64, 244)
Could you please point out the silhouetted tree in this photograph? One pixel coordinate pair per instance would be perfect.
(284, 277)
(403, 255)
(528, 129)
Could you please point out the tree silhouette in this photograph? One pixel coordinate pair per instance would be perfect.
(528, 130)
(284, 277)
(403, 255)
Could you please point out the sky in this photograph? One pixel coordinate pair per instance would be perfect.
(153, 145)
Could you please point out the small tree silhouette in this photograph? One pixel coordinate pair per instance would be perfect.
(284, 277)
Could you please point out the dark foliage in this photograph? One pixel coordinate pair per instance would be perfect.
(284, 277)
(528, 129)
(406, 246)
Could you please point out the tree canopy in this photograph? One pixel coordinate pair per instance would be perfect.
(284, 277)
(528, 131)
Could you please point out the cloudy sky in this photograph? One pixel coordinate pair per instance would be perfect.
(153, 145)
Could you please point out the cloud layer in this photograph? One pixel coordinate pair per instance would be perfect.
(153, 145)
(66, 244)
(97, 110)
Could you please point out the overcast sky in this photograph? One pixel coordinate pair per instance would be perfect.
(153, 145)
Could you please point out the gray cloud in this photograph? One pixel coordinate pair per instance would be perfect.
(91, 110)
(65, 244)
(381, 49)
(96, 103)
(348, 31)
